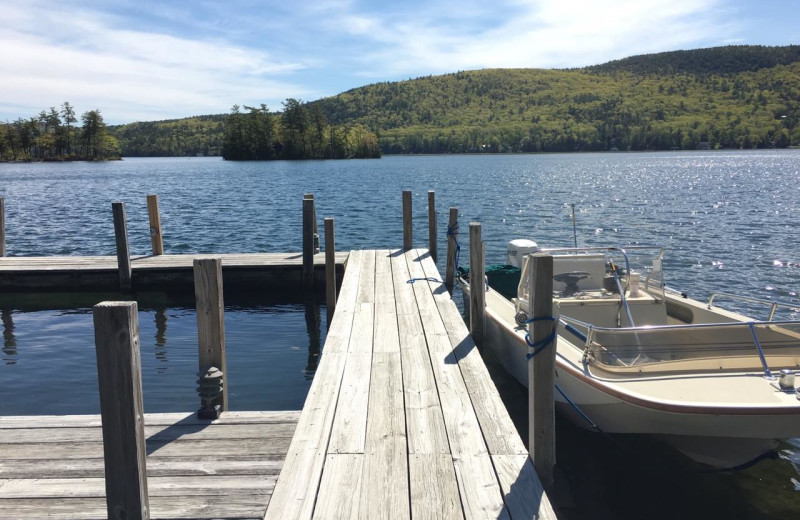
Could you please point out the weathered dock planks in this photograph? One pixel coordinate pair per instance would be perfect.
(402, 419)
(101, 273)
(53, 466)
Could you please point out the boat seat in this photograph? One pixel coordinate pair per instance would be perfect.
(594, 265)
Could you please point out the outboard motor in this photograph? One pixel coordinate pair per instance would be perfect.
(518, 249)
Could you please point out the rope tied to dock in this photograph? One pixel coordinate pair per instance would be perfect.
(540, 345)
(580, 412)
(452, 231)
(427, 279)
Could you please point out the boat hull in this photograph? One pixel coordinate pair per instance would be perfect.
(722, 436)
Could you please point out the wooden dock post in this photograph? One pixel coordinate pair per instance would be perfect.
(308, 243)
(542, 370)
(123, 249)
(211, 325)
(432, 224)
(408, 232)
(155, 225)
(310, 196)
(119, 374)
(330, 269)
(452, 245)
(2, 227)
(477, 289)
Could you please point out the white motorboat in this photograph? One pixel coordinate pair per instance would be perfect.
(636, 357)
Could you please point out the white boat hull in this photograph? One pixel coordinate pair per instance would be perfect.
(719, 434)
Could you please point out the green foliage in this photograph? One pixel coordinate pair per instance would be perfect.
(724, 97)
(731, 59)
(298, 132)
(48, 137)
(192, 136)
(621, 107)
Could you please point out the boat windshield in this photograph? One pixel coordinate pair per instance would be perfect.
(770, 346)
(630, 263)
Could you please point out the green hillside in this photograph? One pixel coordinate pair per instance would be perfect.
(724, 97)
(196, 135)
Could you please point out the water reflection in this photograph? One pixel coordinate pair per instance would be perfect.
(160, 348)
(313, 318)
(9, 340)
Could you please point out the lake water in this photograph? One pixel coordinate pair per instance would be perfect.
(730, 222)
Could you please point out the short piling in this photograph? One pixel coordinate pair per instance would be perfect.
(211, 325)
(432, 225)
(330, 269)
(408, 233)
(477, 289)
(2, 227)
(123, 247)
(308, 243)
(541, 370)
(452, 245)
(119, 374)
(155, 225)
(310, 196)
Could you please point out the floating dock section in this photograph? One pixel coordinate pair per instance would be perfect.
(155, 272)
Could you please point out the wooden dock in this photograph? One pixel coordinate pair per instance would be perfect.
(52, 466)
(402, 419)
(156, 272)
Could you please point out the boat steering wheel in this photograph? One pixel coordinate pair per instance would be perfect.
(571, 279)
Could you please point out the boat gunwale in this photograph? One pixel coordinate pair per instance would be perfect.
(666, 406)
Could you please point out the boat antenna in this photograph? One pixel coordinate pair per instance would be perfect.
(574, 230)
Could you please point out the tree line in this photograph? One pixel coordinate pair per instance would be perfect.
(298, 132)
(53, 136)
(740, 97)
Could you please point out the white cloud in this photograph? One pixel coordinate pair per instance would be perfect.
(142, 59)
(540, 34)
(129, 74)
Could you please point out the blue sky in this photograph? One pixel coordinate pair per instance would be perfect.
(141, 60)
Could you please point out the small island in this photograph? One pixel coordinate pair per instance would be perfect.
(51, 136)
(299, 132)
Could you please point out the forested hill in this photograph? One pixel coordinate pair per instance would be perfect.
(718, 60)
(197, 135)
(724, 97)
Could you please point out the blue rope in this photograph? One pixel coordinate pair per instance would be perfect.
(453, 232)
(428, 279)
(575, 406)
(540, 345)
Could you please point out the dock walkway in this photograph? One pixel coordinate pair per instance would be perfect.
(55, 273)
(52, 466)
(402, 419)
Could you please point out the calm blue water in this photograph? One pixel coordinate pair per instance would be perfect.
(730, 221)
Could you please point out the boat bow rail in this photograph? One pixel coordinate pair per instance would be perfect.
(773, 305)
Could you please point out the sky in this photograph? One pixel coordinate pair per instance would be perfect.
(143, 60)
